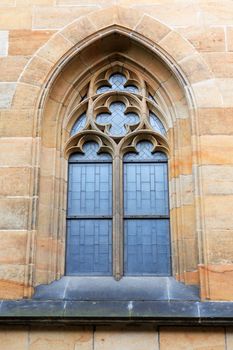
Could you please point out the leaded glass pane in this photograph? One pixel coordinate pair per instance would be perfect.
(145, 189)
(90, 187)
(90, 152)
(89, 248)
(146, 247)
(117, 119)
(79, 124)
(157, 124)
(144, 153)
(117, 82)
(89, 223)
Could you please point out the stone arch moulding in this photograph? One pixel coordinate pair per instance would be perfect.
(54, 78)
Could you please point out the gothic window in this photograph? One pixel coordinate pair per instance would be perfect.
(118, 212)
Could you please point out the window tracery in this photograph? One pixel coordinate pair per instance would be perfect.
(120, 118)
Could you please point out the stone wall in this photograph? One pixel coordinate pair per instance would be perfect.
(192, 41)
(116, 338)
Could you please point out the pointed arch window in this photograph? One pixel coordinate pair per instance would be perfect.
(118, 211)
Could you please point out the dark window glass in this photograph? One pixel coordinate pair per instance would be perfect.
(146, 220)
(89, 220)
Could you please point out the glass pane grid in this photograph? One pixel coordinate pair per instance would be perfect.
(89, 249)
(89, 241)
(146, 240)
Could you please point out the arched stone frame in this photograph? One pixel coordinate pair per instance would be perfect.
(56, 53)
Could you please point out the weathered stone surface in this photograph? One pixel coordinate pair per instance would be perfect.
(66, 339)
(11, 67)
(26, 42)
(218, 277)
(7, 91)
(20, 147)
(13, 247)
(49, 17)
(4, 43)
(204, 38)
(14, 338)
(15, 18)
(139, 338)
(16, 122)
(192, 339)
(14, 181)
(13, 213)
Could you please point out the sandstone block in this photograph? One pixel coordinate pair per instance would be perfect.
(218, 211)
(14, 338)
(217, 121)
(16, 123)
(13, 247)
(36, 72)
(25, 96)
(14, 181)
(226, 89)
(4, 43)
(48, 17)
(14, 213)
(19, 147)
(216, 12)
(171, 13)
(15, 18)
(135, 338)
(7, 91)
(152, 29)
(195, 68)
(192, 338)
(220, 246)
(229, 338)
(230, 38)
(176, 46)
(79, 30)
(207, 94)
(220, 63)
(71, 338)
(26, 42)
(204, 38)
(218, 277)
(55, 48)
(216, 149)
(217, 180)
(11, 67)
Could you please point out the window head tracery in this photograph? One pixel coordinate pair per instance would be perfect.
(119, 102)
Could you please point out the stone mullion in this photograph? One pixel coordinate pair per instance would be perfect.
(117, 229)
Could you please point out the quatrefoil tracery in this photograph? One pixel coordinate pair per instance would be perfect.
(119, 104)
(118, 119)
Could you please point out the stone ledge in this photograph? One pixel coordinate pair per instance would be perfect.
(77, 288)
(92, 312)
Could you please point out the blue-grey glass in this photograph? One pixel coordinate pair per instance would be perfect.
(117, 82)
(145, 189)
(89, 247)
(147, 247)
(157, 124)
(79, 124)
(144, 152)
(117, 119)
(90, 189)
(90, 152)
